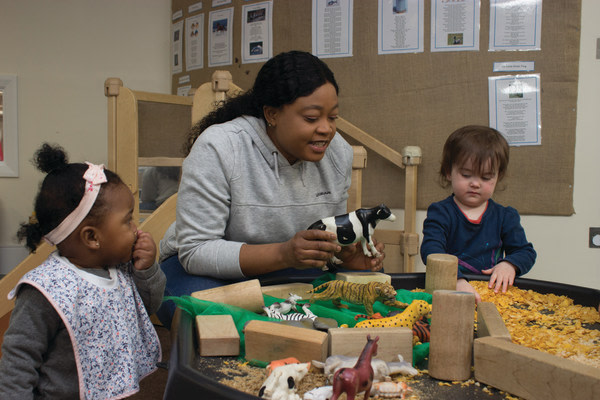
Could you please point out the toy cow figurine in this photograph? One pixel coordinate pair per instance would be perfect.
(356, 226)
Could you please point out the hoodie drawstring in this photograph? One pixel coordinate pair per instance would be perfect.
(276, 162)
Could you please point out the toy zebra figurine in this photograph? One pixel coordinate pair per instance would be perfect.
(292, 316)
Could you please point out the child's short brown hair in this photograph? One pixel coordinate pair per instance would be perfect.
(478, 144)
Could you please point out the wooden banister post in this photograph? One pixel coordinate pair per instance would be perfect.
(112, 87)
(411, 158)
(359, 162)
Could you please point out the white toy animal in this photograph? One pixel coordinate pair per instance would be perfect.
(282, 382)
(287, 305)
(381, 369)
(356, 226)
(292, 316)
(320, 393)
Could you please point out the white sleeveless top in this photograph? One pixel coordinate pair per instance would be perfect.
(114, 342)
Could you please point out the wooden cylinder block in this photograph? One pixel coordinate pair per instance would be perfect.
(451, 344)
(441, 272)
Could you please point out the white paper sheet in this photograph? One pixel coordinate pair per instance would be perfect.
(400, 26)
(194, 42)
(455, 25)
(257, 32)
(515, 25)
(515, 108)
(332, 28)
(176, 47)
(220, 35)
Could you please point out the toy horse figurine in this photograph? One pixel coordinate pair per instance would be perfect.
(360, 378)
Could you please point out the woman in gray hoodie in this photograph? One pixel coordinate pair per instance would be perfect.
(260, 169)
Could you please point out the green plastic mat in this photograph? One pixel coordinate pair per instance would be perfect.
(325, 309)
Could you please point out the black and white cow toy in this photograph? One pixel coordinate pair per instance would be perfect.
(356, 226)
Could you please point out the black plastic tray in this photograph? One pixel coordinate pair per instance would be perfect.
(186, 381)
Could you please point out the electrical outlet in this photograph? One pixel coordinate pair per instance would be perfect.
(594, 238)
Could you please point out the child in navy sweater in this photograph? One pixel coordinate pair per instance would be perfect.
(486, 237)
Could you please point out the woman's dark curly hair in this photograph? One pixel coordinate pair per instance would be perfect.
(282, 80)
(60, 193)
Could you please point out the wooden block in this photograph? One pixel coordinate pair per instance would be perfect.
(533, 374)
(451, 343)
(268, 341)
(441, 272)
(363, 277)
(217, 335)
(283, 291)
(490, 323)
(392, 341)
(246, 294)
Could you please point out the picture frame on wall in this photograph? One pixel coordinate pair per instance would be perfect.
(9, 140)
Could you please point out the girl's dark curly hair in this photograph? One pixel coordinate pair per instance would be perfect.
(60, 193)
(280, 81)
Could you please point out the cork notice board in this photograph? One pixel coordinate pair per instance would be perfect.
(419, 99)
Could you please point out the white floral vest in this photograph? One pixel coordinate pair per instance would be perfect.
(114, 342)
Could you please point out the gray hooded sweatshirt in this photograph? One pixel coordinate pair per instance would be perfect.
(236, 188)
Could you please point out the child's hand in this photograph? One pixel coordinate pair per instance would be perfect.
(144, 251)
(502, 275)
(462, 285)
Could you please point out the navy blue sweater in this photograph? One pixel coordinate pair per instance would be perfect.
(499, 236)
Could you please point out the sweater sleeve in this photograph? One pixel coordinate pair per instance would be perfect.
(33, 323)
(150, 284)
(435, 232)
(203, 208)
(517, 250)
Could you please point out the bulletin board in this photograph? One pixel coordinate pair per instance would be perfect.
(419, 99)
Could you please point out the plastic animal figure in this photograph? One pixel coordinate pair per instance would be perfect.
(360, 378)
(278, 363)
(406, 319)
(287, 305)
(282, 382)
(389, 388)
(381, 368)
(292, 316)
(320, 393)
(356, 226)
(357, 293)
(421, 328)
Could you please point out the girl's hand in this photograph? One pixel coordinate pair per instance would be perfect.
(354, 258)
(502, 275)
(462, 285)
(309, 249)
(144, 251)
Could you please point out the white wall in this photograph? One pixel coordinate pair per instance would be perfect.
(562, 242)
(62, 52)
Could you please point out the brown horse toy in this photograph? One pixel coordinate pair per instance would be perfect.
(359, 378)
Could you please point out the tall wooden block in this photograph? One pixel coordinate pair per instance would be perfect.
(392, 341)
(217, 335)
(441, 272)
(363, 277)
(268, 341)
(451, 343)
(533, 374)
(246, 294)
(283, 290)
(490, 323)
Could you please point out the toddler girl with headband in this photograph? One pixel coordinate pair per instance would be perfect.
(80, 326)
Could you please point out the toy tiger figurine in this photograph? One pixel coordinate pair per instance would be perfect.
(407, 318)
(357, 293)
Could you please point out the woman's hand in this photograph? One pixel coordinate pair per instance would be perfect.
(309, 249)
(502, 275)
(144, 251)
(354, 258)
